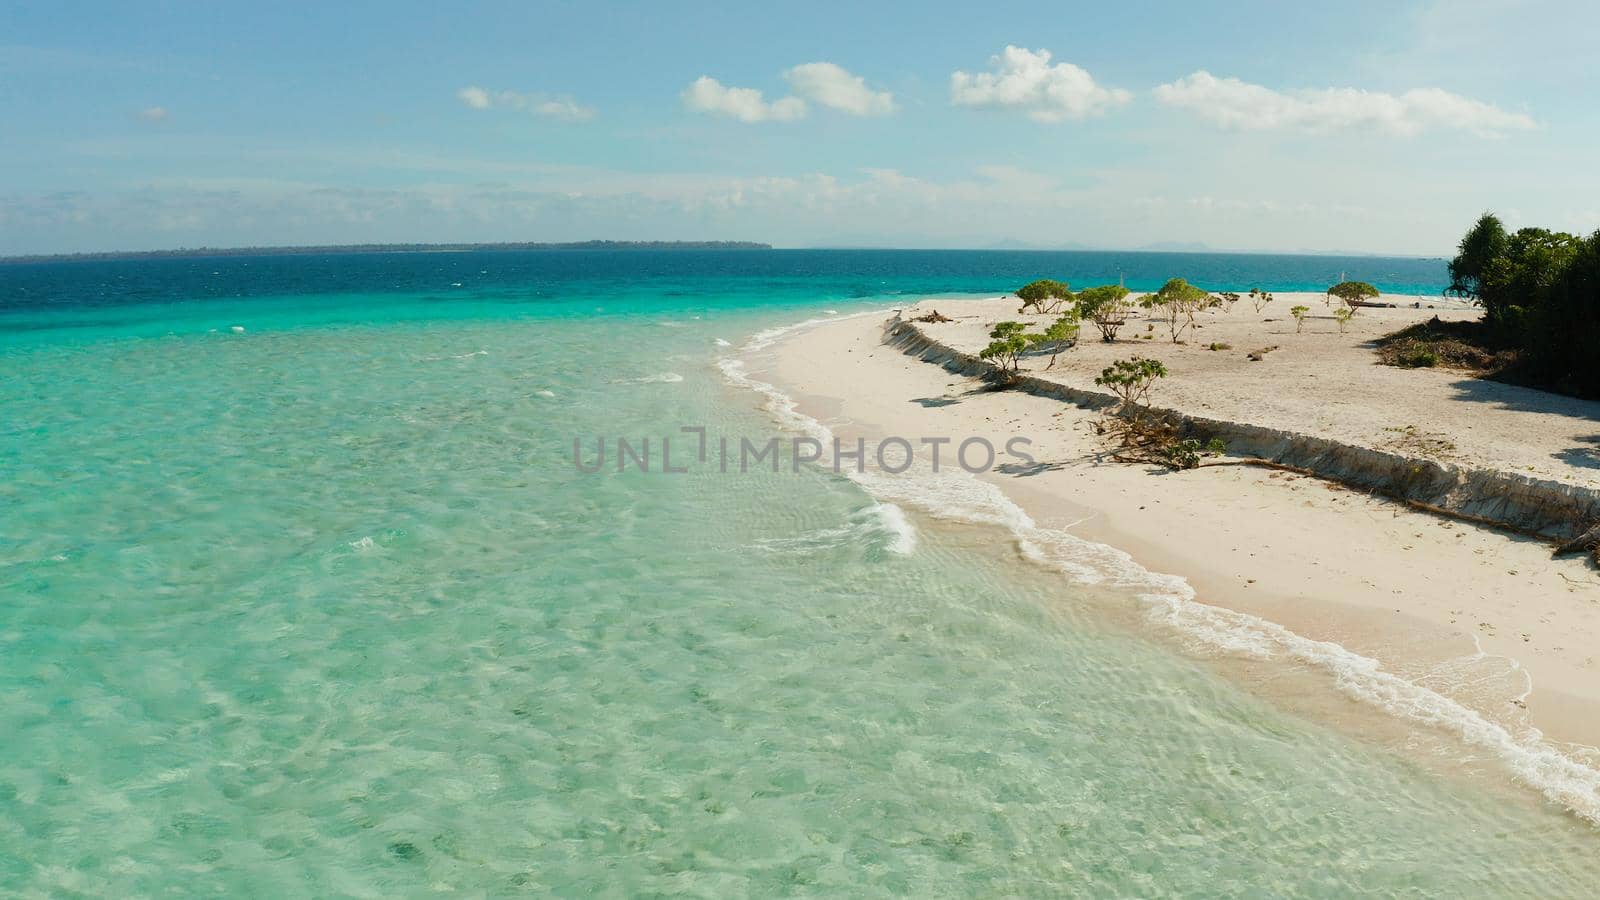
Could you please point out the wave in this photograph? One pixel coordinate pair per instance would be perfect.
(457, 356)
(883, 523)
(954, 494)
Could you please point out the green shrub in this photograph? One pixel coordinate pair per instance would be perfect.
(1060, 335)
(1131, 379)
(1353, 293)
(1419, 358)
(1179, 302)
(1008, 341)
(1044, 296)
(1107, 306)
(1540, 291)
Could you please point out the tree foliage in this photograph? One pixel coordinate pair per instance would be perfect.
(1044, 296)
(1563, 334)
(1353, 293)
(1299, 313)
(1139, 434)
(1007, 342)
(1060, 335)
(1178, 302)
(1540, 292)
(1131, 380)
(1484, 243)
(1107, 306)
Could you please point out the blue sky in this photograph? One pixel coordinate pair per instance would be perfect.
(1368, 127)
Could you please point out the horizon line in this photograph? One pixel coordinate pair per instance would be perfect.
(605, 244)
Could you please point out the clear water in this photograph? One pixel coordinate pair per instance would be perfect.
(324, 607)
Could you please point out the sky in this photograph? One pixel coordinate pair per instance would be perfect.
(1367, 127)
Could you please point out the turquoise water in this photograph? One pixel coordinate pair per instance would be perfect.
(324, 607)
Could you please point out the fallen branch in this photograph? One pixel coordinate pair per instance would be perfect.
(1588, 542)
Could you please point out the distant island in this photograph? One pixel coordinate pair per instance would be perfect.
(185, 252)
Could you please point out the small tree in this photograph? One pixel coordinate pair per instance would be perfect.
(1229, 298)
(1353, 293)
(1044, 295)
(1131, 380)
(1477, 253)
(1107, 306)
(1259, 299)
(1178, 302)
(1139, 436)
(1299, 313)
(1008, 341)
(1062, 332)
(1343, 314)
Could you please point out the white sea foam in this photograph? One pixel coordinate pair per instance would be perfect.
(547, 394)
(881, 523)
(458, 356)
(722, 343)
(954, 494)
(236, 329)
(902, 534)
(365, 543)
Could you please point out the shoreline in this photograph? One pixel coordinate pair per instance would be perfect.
(1475, 644)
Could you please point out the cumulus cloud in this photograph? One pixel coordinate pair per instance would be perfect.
(540, 104)
(829, 85)
(1232, 103)
(1024, 80)
(154, 114)
(710, 96)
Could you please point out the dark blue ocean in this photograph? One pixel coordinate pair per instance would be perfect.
(449, 285)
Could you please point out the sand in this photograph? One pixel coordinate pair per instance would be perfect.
(1485, 618)
(1326, 382)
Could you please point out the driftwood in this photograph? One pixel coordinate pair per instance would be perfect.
(934, 316)
(1588, 542)
(1259, 355)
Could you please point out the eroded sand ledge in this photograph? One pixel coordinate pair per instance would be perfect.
(1538, 506)
(1485, 617)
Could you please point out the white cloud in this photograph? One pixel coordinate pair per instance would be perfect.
(540, 104)
(829, 85)
(1232, 103)
(1025, 80)
(708, 95)
(154, 114)
(563, 108)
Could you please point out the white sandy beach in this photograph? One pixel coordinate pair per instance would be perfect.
(1475, 615)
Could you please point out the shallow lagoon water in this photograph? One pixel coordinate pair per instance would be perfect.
(325, 607)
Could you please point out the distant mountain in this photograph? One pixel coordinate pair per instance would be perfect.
(1177, 247)
(185, 252)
